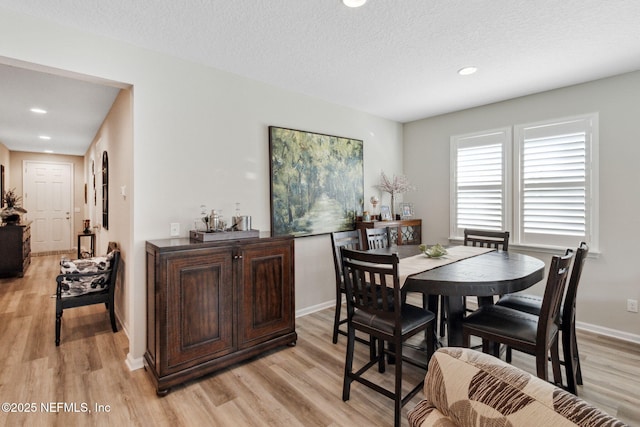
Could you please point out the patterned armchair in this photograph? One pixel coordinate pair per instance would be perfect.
(87, 281)
(464, 387)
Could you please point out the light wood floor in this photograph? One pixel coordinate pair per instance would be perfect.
(299, 386)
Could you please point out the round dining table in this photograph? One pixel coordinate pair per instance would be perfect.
(484, 276)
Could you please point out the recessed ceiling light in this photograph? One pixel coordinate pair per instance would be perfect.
(466, 71)
(38, 111)
(45, 137)
(354, 3)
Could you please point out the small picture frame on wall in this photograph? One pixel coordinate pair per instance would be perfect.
(407, 210)
(1, 186)
(385, 213)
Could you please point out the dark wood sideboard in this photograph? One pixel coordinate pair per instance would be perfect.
(15, 249)
(403, 231)
(213, 304)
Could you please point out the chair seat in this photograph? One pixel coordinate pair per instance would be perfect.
(84, 276)
(412, 318)
(506, 322)
(523, 302)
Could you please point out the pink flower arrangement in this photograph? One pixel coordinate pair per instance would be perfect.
(398, 184)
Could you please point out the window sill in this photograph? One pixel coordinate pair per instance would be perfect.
(552, 250)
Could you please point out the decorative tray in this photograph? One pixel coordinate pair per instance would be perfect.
(203, 236)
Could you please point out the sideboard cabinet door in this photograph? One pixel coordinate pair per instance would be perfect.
(199, 307)
(266, 292)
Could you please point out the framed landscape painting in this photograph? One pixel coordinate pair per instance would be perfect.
(317, 182)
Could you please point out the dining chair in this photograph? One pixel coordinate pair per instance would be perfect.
(351, 239)
(375, 307)
(479, 238)
(536, 335)
(487, 239)
(377, 238)
(87, 281)
(533, 304)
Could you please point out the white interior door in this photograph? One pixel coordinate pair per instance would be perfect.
(47, 199)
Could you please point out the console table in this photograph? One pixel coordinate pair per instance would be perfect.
(402, 231)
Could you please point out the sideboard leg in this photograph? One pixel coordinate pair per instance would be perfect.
(163, 392)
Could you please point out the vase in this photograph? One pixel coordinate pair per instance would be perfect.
(393, 207)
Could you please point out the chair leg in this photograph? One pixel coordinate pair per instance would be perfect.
(112, 315)
(431, 343)
(466, 338)
(348, 364)
(442, 315)
(508, 355)
(486, 347)
(398, 385)
(381, 358)
(576, 354)
(58, 321)
(372, 347)
(571, 360)
(336, 320)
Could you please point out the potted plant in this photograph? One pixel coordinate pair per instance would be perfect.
(12, 211)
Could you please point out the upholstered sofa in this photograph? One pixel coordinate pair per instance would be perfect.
(464, 387)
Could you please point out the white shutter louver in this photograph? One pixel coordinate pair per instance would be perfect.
(554, 185)
(480, 187)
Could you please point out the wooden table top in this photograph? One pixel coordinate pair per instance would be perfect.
(492, 273)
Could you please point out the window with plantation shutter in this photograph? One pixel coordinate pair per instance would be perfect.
(479, 183)
(555, 180)
(542, 190)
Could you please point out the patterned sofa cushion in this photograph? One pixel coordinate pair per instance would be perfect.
(464, 387)
(75, 286)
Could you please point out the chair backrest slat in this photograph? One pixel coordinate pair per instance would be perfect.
(487, 239)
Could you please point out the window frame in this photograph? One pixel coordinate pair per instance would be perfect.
(507, 192)
(513, 184)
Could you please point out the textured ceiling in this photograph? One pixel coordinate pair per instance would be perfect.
(393, 58)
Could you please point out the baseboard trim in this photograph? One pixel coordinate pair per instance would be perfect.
(314, 308)
(134, 363)
(67, 252)
(608, 332)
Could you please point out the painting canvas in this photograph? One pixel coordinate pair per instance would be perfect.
(317, 182)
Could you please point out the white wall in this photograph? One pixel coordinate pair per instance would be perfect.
(614, 276)
(115, 136)
(5, 161)
(200, 137)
